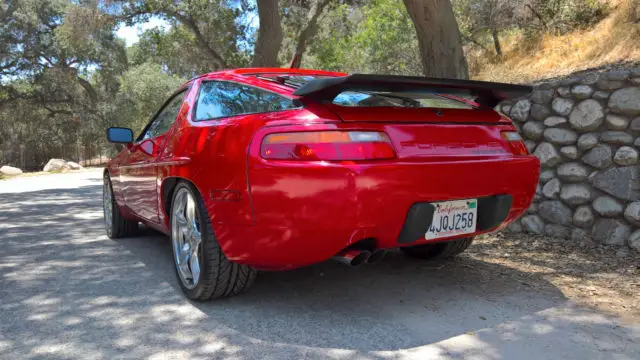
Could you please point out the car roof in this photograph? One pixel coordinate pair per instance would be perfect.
(263, 71)
(249, 76)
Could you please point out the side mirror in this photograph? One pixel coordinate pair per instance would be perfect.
(120, 135)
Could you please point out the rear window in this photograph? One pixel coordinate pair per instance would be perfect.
(363, 98)
(398, 99)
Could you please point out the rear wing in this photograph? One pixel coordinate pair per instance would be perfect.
(483, 93)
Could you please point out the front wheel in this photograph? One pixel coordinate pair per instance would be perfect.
(202, 269)
(114, 223)
(438, 251)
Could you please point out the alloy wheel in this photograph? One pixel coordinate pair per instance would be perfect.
(107, 205)
(186, 238)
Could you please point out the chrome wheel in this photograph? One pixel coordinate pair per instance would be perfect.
(107, 205)
(186, 238)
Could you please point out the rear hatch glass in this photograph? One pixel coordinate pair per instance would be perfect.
(394, 103)
(399, 99)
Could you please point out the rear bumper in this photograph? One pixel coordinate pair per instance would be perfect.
(305, 213)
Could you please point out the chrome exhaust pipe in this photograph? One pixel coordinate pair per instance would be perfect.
(352, 257)
(376, 256)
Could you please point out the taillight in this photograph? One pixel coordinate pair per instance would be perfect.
(327, 145)
(515, 142)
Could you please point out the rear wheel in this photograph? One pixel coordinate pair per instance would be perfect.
(438, 251)
(202, 269)
(114, 223)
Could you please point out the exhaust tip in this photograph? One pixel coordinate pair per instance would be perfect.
(376, 256)
(353, 257)
(361, 258)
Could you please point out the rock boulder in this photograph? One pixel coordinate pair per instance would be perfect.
(626, 101)
(56, 165)
(611, 231)
(587, 115)
(10, 170)
(621, 182)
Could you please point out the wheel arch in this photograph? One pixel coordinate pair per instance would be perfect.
(167, 188)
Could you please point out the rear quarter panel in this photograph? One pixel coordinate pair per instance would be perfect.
(212, 155)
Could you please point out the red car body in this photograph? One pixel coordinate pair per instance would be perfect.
(279, 214)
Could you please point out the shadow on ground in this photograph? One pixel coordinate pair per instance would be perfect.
(66, 291)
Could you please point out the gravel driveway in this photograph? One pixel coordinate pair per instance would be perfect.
(68, 292)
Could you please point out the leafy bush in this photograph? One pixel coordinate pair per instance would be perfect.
(562, 16)
(587, 13)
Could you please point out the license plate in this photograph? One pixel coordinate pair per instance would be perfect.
(452, 218)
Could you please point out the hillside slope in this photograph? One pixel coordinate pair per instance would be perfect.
(614, 40)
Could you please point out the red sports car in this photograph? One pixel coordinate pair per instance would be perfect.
(274, 169)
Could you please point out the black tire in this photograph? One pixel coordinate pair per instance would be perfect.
(438, 251)
(119, 227)
(219, 277)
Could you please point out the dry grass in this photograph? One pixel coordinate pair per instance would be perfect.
(616, 39)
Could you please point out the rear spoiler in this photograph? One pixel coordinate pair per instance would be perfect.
(484, 93)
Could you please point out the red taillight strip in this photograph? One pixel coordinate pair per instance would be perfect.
(329, 145)
(515, 142)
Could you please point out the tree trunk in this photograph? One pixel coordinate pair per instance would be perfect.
(438, 38)
(496, 41)
(307, 33)
(634, 10)
(269, 34)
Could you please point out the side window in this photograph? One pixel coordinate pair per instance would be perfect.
(222, 98)
(165, 118)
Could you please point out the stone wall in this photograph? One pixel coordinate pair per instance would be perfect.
(585, 129)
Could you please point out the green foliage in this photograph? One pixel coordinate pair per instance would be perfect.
(175, 50)
(216, 27)
(58, 61)
(587, 13)
(387, 35)
(143, 89)
(376, 38)
(65, 76)
(26, 33)
(561, 16)
(482, 21)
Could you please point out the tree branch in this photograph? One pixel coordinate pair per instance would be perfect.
(475, 42)
(53, 112)
(93, 95)
(190, 23)
(309, 31)
(544, 23)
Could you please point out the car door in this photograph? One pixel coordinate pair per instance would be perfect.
(140, 175)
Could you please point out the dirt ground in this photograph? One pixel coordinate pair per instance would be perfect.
(601, 277)
(69, 292)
